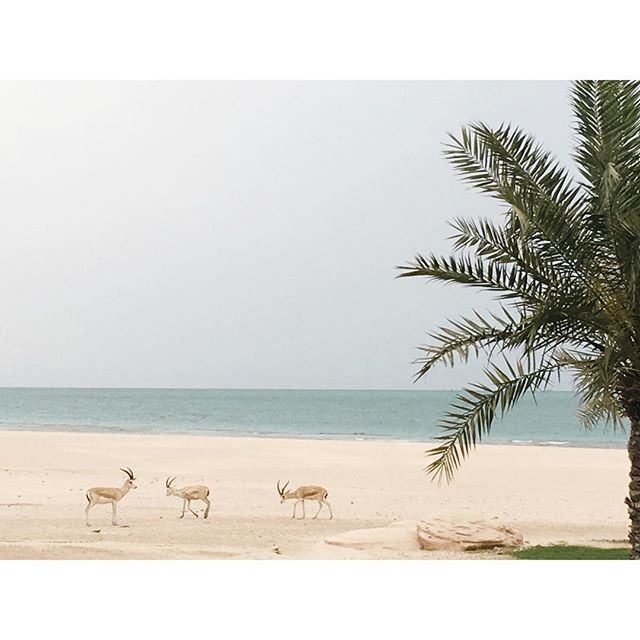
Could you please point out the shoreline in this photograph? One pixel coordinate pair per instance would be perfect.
(568, 444)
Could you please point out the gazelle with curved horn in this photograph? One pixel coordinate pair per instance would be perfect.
(310, 492)
(189, 493)
(106, 495)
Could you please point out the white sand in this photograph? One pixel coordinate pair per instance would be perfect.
(550, 494)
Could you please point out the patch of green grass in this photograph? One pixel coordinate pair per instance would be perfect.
(568, 552)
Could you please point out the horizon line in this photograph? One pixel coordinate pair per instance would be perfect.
(114, 388)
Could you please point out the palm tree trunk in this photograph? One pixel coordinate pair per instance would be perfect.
(633, 501)
(630, 396)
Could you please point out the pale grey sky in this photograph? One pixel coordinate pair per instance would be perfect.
(221, 234)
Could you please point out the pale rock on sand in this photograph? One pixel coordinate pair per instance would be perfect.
(398, 536)
(448, 535)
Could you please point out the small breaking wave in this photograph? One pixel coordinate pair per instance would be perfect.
(542, 443)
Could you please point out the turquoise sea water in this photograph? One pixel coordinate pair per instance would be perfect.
(394, 415)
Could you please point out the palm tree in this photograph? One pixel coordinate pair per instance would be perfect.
(564, 264)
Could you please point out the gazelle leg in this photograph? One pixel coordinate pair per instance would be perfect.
(113, 516)
(190, 509)
(184, 506)
(319, 508)
(86, 513)
(295, 504)
(304, 515)
(208, 503)
(330, 512)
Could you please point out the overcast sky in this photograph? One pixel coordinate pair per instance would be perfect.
(216, 234)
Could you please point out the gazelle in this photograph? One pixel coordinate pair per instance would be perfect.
(319, 494)
(192, 492)
(113, 495)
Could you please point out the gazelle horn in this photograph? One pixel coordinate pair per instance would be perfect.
(128, 472)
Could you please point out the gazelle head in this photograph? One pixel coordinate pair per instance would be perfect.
(130, 477)
(281, 491)
(167, 483)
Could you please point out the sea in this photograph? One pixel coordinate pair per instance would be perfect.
(412, 415)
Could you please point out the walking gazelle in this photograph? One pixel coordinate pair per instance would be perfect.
(192, 492)
(311, 492)
(113, 495)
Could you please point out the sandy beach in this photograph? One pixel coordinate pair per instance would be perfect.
(550, 494)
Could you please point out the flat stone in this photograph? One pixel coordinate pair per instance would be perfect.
(470, 535)
(399, 536)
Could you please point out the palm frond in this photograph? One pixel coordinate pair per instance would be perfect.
(472, 414)
(597, 379)
(462, 337)
(607, 126)
(507, 281)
